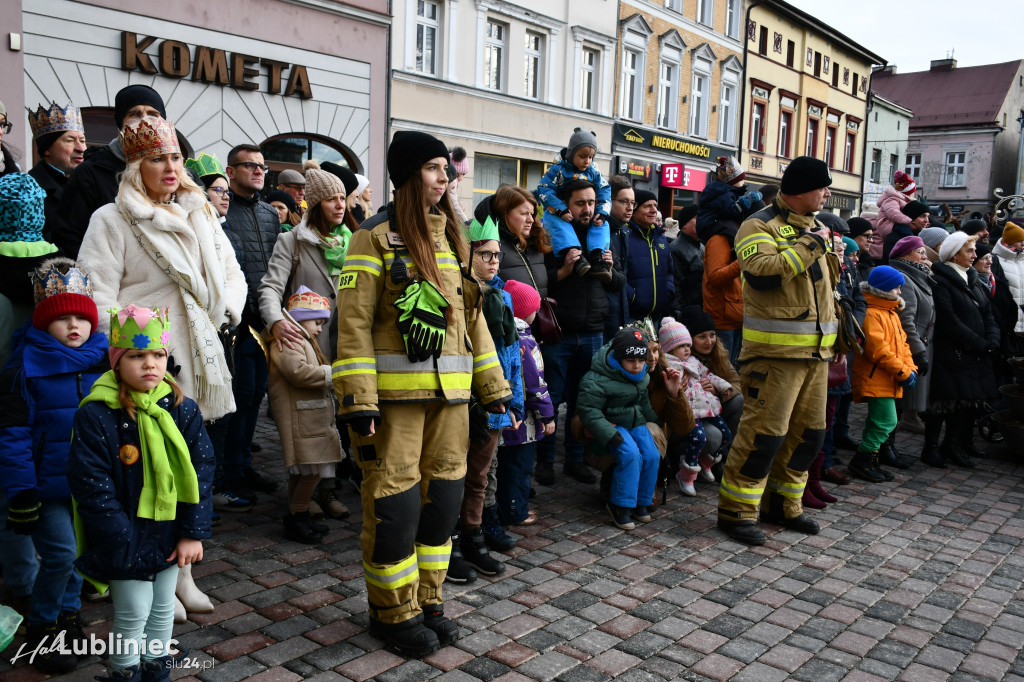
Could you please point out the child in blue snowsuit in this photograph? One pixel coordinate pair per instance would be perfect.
(56, 360)
(577, 164)
(614, 408)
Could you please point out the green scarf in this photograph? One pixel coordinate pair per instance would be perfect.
(335, 248)
(167, 473)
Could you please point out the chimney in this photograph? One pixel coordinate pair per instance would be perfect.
(947, 64)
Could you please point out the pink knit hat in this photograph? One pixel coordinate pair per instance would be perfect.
(673, 334)
(525, 299)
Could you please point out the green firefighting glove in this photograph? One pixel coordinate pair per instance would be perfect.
(406, 304)
(427, 329)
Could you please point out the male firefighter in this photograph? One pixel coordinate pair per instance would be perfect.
(789, 328)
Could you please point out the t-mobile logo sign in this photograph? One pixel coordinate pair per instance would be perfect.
(680, 177)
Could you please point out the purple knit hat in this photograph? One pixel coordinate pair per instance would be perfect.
(905, 246)
(673, 334)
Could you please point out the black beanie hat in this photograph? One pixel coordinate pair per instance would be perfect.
(913, 209)
(973, 226)
(686, 214)
(642, 196)
(409, 150)
(859, 226)
(805, 174)
(132, 96)
(630, 343)
(347, 177)
(696, 320)
(285, 198)
(981, 250)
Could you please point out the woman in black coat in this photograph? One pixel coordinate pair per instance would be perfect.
(966, 340)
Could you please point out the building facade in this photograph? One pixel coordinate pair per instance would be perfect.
(806, 94)
(507, 81)
(885, 144)
(299, 78)
(965, 136)
(677, 105)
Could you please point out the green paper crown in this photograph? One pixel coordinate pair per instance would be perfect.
(481, 233)
(206, 164)
(137, 328)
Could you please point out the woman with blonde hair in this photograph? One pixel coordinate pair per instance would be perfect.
(160, 244)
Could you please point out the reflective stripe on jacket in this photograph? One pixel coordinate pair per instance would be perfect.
(372, 365)
(789, 278)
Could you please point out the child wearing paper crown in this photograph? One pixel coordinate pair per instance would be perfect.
(704, 391)
(302, 401)
(55, 361)
(517, 448)
(469, 546)
(577, 163)
(140, 471)
(614, 408)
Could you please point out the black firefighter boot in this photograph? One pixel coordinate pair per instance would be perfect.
(410, 638)
(434, 618)
(930, 452)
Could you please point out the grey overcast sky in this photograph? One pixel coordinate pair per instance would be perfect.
(911, 34)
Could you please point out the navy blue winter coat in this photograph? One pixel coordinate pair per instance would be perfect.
(106, 488)
(40, 389)
(647, 263)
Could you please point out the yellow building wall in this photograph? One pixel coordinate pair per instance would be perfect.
(800, 80)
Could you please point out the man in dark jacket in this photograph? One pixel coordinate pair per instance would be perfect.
(581, 312)
(917, 211)
(59, 137)
(257, 225)
(623, 201)
(687, 262)
(647, 264)
(95, 182)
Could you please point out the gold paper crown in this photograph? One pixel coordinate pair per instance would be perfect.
(139, 328)
(151, 136)
(55, 119)
(48, 280)
(308, 300)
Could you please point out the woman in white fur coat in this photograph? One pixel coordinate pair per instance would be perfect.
(159, 244)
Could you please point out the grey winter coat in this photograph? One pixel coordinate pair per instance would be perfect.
(918, 320)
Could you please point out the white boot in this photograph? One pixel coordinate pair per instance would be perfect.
(191, 598)
(179, 612)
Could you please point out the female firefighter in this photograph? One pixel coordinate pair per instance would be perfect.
(412, 346)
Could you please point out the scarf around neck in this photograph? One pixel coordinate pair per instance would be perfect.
(168, 476)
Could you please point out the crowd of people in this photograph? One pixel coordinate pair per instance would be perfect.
(150, 302)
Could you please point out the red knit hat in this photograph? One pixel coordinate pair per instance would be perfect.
(60, 288)
(904, 183)
(525, 299)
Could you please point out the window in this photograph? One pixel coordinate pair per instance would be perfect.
(757, 126)
(677, 5)
(893, 161)
(876, 162)
(762, 42)
(494, 54)
(817, 65)
(955, 172)
(913, 167)
(855, 84)
(667, 109)
(290, 150)
(835, 75)
(706, 12)
(727, 114)
(588, 73)
(812, 137)
(531, 64)
(700, 98)
(427, 14)
(631, 92)
(851, 146)
(490, 172)
(790, 53)
(830, 145)
(732, 18)
(785, 131)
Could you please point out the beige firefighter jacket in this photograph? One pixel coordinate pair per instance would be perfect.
(789, 280)
(372, 365)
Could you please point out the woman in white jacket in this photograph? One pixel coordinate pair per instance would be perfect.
(159, 244)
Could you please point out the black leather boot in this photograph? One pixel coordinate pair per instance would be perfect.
(476, 554)
(930, 452)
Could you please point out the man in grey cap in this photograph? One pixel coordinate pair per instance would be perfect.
(293, 182)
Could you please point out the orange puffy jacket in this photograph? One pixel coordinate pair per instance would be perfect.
(723, 290)
(887, 360)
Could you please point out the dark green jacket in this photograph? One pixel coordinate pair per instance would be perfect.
(608, 399)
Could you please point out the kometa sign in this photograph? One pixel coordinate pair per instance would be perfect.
(212, 66)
